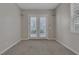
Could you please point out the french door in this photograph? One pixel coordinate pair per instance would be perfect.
(37, 27)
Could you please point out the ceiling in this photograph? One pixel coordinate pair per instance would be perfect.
(26, 6)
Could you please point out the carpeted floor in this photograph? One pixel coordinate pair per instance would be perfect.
(38, 47)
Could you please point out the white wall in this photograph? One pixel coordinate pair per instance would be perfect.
(9, 25)
(51, 18)
(63, 32)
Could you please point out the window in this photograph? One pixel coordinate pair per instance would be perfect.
(75, 17)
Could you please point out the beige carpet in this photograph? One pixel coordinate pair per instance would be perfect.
(38, 47)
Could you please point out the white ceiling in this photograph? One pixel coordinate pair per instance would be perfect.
(26, 6)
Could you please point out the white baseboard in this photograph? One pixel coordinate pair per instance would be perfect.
(51, 38)
(68, 47)
(47, 38)
(24, 39)
(10, 46)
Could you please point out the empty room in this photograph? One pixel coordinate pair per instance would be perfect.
(39, 28)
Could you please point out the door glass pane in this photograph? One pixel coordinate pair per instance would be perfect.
(42, 26)
(33, 27)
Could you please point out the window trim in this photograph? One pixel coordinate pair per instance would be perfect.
(73, 29)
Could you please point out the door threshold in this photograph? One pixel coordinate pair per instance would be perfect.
(37, 39)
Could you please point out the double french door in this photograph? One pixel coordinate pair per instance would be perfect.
(37, 27)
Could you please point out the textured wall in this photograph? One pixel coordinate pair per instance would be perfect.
(9, 25)
(63, 25)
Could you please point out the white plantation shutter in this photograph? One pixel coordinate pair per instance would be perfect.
(75, 16)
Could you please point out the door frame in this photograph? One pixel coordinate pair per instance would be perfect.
(37, 18)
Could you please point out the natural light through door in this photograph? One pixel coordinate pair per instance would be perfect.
(42, 26)
(33, 32)
(38, 27)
